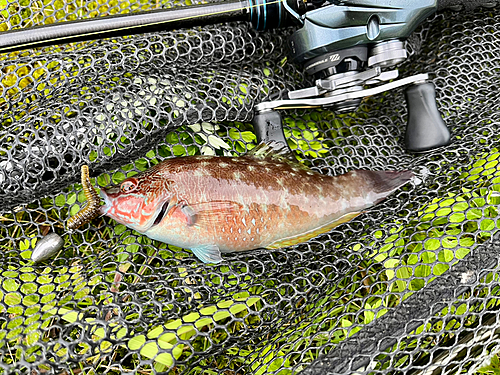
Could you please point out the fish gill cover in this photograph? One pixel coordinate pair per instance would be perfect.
(410, 286)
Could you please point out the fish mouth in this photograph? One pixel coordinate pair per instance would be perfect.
(103, 210)
(161, 214)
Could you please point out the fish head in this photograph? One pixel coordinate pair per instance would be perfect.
(139, 203)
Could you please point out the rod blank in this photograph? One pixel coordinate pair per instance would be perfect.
(125, 24)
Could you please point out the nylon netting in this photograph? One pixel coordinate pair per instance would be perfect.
(411, 286)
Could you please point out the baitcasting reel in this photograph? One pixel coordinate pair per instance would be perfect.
(350, 47)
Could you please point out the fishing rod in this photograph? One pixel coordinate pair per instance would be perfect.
(263, 16)
(350, 47)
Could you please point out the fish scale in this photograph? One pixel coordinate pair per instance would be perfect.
(213, 204)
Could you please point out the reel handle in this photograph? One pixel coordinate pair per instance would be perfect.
(426, 129)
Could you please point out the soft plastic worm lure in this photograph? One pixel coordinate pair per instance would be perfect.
(52, 243)
(91, 210)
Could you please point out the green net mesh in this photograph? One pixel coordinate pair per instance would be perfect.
(408, 287)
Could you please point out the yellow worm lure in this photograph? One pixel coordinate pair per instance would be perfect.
(91, 209)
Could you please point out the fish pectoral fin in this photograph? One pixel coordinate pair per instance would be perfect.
(190, 215)
(207, 253)
(213, 214)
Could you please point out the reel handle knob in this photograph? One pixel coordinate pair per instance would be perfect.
(426, 129)
(268, 127)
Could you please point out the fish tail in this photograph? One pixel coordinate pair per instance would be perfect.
(383, 183)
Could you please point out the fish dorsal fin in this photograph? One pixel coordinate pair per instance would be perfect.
(275, 151)
(271, 150)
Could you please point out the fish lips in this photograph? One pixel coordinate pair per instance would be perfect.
(107, 194)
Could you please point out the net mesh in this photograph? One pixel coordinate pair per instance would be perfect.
(408, 287)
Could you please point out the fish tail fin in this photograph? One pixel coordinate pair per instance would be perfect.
(383, 183)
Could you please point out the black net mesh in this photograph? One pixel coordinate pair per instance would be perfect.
(411, 286)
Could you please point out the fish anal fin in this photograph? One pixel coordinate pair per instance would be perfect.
(346, 218)
(207, 253)
(303, 237)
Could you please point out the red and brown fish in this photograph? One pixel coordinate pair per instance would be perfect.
(213, 204)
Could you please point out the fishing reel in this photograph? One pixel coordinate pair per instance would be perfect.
(351, 49)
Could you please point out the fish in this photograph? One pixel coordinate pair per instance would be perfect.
(262, 199)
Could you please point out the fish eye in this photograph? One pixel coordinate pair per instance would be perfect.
(128, 186)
